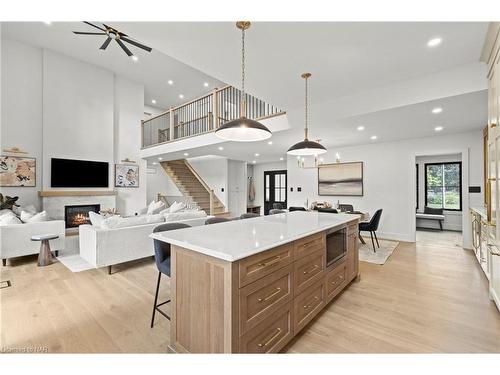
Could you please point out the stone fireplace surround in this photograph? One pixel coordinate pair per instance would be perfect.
(54, 201)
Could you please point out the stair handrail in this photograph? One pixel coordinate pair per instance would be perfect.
(204, 184)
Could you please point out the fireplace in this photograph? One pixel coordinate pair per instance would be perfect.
(75, 216)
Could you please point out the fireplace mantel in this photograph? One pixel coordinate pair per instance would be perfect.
(75, 193)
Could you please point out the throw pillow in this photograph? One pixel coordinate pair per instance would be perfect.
(9, 220)
(25, 216)
(176, 207)
(38, 218)
(155, 207)
(96, 219)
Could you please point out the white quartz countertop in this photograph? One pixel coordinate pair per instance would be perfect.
(237, 239)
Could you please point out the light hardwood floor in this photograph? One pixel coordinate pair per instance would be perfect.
(424, 299)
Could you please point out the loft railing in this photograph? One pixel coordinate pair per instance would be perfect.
(203, 115)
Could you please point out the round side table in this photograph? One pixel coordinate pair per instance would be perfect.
(45, 257)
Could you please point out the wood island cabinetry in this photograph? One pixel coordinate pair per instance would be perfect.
(256, 304)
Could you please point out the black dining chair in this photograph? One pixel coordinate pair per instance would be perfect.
(215, 220)
(372, 227)
(328, 210)
(162, 260)
(275, 211)
(346, 207)
(249, 215)
(291, 209)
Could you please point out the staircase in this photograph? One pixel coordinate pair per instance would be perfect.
(192, 186)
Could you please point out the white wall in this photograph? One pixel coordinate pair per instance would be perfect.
(159, 182)
(389, 178)
(237, 187)
(213, 170)
(21, 114)
(258, 175)
(453, 219)
(77, 112)
(56, 106)
(128, 104)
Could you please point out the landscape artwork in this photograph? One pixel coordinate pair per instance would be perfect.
(341, 179)
(126, 175)
(17, 171)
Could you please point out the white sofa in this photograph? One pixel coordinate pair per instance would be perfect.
(15, 239)
(107, 247)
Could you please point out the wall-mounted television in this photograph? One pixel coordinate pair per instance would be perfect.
(68, 173)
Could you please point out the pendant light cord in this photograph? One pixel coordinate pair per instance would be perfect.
(243, 101)
(306, 130)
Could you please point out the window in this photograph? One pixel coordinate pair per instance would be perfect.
(443, 186)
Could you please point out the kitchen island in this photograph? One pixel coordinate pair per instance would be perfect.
(249, 286)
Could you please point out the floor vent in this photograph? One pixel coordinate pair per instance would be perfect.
(5, 284)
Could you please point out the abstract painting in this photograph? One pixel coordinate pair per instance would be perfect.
(17, 171)
(341, 179)
(126, 175)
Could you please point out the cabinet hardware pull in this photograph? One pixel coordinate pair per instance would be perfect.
(271, 339)
(278, 290)
(308, 306)
(272, 261)
(308, 243)
(337, 280)
(312, 269)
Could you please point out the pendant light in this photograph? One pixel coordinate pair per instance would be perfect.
(306, 147)
(243, 129)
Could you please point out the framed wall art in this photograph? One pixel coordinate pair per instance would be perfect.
(343, 179)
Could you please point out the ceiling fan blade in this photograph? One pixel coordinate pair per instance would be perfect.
(127, 51)
(106, 43)
(97, 27)
(136, 44)
(85, 33)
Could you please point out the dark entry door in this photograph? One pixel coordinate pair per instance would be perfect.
(274, 190)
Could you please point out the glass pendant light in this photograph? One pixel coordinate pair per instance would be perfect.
(306, 147)
(243, 129)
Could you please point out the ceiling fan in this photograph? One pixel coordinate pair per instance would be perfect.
(113, 34)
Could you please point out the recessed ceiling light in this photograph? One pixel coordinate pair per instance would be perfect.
(221, 148)
(205, 84)
(254, 161)
(170, 82)
(361, 127)
(47, 22)
(181, 96)
(257, 155)
(434, 42)
(438, 128)
(154, 163)
(282, 159)
(373, 137)
(270, 142)
(186, 154)
(160, 158)
(153, 101)
(437, 110)
(134, 58)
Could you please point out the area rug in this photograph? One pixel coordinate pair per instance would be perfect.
(74, 262)
(383, 253)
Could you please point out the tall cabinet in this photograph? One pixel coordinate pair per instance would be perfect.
(491, 56)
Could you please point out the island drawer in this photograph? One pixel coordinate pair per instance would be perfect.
(307, 245)
(335, 281)
(257, 266)
(308, 304)
(307, 270)
(261, 298)
(271, 335)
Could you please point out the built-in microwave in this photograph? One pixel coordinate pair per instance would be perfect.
(336, 244)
